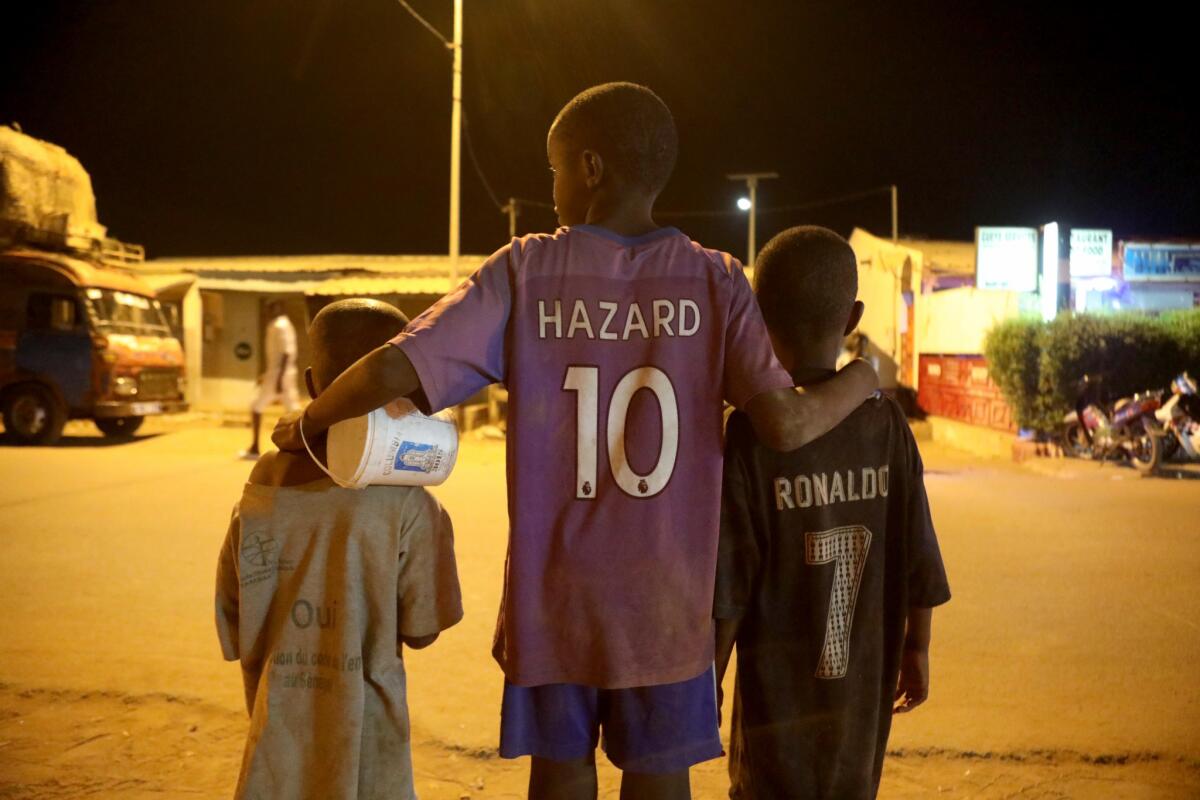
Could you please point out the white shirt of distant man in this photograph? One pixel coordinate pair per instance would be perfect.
(278, 384)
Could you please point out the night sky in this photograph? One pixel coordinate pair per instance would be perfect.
(322, 126)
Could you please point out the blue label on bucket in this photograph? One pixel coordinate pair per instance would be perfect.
(413, 457)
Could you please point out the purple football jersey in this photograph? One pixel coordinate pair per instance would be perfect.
(617, 354)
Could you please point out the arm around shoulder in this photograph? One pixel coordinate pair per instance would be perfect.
(786, 419)
(376, 379)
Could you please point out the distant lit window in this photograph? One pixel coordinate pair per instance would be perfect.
(123, 312)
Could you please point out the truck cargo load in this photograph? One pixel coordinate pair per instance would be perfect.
(81, 333)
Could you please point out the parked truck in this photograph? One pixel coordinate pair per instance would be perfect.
(81, 335)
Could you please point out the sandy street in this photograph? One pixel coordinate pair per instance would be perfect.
(1063, 667)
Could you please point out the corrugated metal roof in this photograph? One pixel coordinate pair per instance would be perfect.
(163, 281)
(361, 285)
(413, 265)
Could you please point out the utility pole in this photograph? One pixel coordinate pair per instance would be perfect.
(895, 214)
(752, 179)
(513, 209)
(456, 141)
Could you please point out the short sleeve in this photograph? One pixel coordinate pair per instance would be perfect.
(927, 584)
(228, 590)
(428, 599)
(739, 551)
(458, 347)
(750, 364)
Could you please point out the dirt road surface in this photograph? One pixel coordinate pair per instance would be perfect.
(1063, 667)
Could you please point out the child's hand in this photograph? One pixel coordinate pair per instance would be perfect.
(913, 687)
(286, 435)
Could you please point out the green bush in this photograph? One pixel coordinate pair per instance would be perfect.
(1012, 352)
(1184, 327)
(1038, 365)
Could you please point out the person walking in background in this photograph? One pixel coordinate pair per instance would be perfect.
(278, 383)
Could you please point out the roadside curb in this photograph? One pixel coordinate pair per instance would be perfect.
(984, 442)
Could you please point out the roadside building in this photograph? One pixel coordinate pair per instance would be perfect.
(926, 321)
(930, 304)
(896, 281)
(218, 305)
(1150, 276)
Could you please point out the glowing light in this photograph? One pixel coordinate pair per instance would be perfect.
(1103, 284)
(744, 203)
(1049, 287)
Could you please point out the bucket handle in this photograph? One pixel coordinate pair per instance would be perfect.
(343, 483)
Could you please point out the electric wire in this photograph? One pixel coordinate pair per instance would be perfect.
(466, 126)
(428, 25)
(717, 212)
(666, 214)
(487, 186)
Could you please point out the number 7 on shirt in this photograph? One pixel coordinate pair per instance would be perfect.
(846, 548)
(585, 382)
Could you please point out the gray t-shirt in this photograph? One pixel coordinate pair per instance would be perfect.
(315, 586)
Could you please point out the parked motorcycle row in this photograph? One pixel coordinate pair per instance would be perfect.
(1146, 429)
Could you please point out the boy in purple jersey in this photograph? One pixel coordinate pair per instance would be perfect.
(828, 566)
(608, 334)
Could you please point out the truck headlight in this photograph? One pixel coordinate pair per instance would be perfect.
(124, 386)
(181, 385)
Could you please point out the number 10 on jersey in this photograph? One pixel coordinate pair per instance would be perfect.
(585, 382)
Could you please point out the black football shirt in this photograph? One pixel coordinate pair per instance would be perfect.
(823, 550)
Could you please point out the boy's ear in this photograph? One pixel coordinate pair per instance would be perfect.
(593, 168)
(855, 317)
(308, 383)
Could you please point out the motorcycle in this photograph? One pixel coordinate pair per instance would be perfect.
(1180, 420)
(1127, 430)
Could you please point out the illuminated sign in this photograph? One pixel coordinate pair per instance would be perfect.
(1161, 262)
(1049, 287)
(1091, 253)
(1006, 258)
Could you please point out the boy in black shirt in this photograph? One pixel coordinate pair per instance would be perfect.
(828, 567)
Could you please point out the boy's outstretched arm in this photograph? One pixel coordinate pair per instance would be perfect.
(785, 419)
(913, 686)
(379, 377)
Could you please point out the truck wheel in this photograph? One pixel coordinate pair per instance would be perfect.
(119, 426)
(33, 416)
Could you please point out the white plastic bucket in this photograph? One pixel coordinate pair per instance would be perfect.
(395, 445)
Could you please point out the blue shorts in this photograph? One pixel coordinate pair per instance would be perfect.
(648, 729)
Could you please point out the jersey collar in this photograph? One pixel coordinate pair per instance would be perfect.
(626, 241)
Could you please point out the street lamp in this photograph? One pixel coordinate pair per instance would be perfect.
(456, 140)
(750, 204)
(455, 46)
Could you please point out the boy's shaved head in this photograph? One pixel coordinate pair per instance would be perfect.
(629, 126)
(346, 330)
(806, 281)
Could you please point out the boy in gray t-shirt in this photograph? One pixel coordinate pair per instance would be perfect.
(317, 588)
